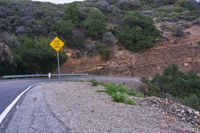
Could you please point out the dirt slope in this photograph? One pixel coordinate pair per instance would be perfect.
(183, 51)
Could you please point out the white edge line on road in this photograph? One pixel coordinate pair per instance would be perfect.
(8, 109)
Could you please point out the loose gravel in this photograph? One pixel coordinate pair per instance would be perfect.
(86, 109)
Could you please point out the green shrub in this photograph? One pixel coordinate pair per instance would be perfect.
(71, 13)
(121, 94)
(34, 55)
(94, 82)
(198, 42)
(192, 101)
(129, 101)
(188, 5)
(138, 32)
(135, 93)
(176, 83)
(119, 97)
(105, 53)
(178, 9)
(65, 29)
(95, 23)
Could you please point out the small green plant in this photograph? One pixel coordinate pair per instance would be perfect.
(135, 93)
(105, 53)
(129, 101)
(113, 89)
(94, 82)
(120, 93)
(198, 43)
(119, 97)
(192, 101)
(178, 9)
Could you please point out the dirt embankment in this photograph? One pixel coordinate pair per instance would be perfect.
(182, 51)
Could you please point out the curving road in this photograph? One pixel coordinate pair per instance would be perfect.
(10, 89)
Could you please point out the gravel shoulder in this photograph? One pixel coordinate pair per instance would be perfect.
(86, 109)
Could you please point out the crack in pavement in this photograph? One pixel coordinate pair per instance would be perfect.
(34, 116)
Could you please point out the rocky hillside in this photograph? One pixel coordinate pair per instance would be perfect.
(108, 37)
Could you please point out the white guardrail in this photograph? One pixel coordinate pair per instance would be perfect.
(42, 76)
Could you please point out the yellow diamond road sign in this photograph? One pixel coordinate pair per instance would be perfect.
(57, 44)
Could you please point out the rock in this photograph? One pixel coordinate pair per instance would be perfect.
(128, 4)
(109, 39)
(197, 113)
(181, 112)
(5, 54)
(190, 111)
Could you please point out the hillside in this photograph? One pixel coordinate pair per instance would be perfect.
(113, 37)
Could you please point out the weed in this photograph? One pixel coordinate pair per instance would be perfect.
(135, 93)
(94, 82)
(121, 94)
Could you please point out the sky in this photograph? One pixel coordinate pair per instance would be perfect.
(58, 1)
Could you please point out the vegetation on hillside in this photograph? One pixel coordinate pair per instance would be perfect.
(34, 55)
(90, 27)
(185, 87)
(138, 32)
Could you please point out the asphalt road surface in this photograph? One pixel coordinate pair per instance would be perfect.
(10, 89)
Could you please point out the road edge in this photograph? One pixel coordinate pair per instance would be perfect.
(9, 108)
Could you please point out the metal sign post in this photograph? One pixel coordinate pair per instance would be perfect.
(57, 45)
(58, 59)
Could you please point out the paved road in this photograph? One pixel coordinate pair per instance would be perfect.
(10, 89)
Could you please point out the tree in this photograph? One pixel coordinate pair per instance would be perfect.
(71, 13)
(34, 55)
(65, 29)
(138, 32)
(95, 23)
